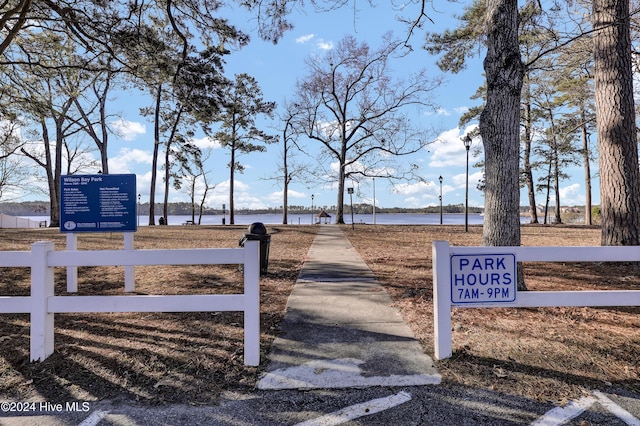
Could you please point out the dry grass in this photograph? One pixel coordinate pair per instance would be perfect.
(547, 354)
(149, 357)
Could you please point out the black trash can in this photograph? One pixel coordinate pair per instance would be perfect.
(258, 232)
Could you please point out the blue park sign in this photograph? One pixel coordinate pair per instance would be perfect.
(98, 203)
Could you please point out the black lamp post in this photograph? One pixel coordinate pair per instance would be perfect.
(312, 209)
(440, 199)
(350, 191)
(467, 144)
(374, 201)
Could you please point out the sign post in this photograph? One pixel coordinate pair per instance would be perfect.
(476, 278)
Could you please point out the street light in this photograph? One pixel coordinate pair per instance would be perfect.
(312, 209)
(138, 215)
(466, 139)
(440, 198)
(350, 191)
(374, 201)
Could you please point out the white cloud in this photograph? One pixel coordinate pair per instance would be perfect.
(422, 194)
(572, 195)
(128, 130)
(126, 158)
(414, 202)
(459, 180)
(305, 38)
(358, 166)
(277, 196)
(327, 128)
(414, 188)
(206, 142)
(439, 111)
(242, 196)
(325, 45)
(448, 149)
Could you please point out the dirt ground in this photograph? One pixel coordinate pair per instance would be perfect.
(154, 358)
(547, 354)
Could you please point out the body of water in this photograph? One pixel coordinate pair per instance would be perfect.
(307, 219)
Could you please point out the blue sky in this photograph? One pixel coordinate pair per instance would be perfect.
(277, 67)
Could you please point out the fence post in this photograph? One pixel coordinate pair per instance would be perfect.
(252, 303)
(129, 271)
(42, 282)
(72, 271)
(441, 299)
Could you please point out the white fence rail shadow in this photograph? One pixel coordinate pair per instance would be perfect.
(442, 283)
(42, 304)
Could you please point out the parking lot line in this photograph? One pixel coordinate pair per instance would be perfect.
(359, 410)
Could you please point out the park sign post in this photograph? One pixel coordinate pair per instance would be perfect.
(98, 203)
(483, 278)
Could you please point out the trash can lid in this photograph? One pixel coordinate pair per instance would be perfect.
(257, 228)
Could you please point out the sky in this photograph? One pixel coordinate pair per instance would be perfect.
(278, 67)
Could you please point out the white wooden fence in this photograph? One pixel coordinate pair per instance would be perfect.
(42, 304)
(7, 221)
(442, 283)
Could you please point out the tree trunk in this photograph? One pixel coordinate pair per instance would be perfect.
(546, 204)
(341, 179)
(555, 162)
(167, 181)
(103, 146)
(285, 195)
(500, 128)
(167, 163)
(615, 115)
(556, 186)
(526, 156)
(54, 205)
(499, 125)
(232, 171)
(154, 163)
(588, 220)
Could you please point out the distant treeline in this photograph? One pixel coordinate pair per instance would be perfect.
(41, 208)
(25, 208)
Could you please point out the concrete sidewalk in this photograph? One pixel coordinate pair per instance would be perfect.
(340, 329)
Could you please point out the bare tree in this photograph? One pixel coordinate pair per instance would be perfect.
(290, 167)
(195, 178)
(12, 172)
(351, 106)
(46, 97)
(93, 114)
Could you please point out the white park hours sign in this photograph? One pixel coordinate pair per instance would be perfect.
(485, 278)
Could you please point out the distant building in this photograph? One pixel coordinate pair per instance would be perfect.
(325, 215)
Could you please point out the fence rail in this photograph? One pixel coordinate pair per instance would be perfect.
(42, 304)
(442, 283)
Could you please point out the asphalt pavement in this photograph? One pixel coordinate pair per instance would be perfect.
(340, 328)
